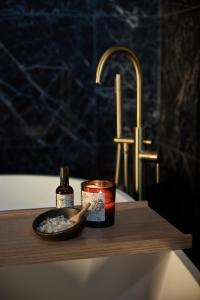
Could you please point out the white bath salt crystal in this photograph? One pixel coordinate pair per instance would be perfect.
(56, 224)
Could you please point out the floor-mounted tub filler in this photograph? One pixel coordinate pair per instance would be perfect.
(159, 275)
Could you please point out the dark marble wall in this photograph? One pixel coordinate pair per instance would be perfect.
(52, 113)
(46, 59)
(178, 195)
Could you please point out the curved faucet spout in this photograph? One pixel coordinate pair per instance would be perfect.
(136, 66)
(139, 153)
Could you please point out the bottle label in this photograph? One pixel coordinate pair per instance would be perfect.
(96, 211)
(64, 200)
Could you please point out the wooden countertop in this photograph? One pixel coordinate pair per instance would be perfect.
(137, 229)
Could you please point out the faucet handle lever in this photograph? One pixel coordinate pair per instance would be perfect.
(148, 155)
(130, 140)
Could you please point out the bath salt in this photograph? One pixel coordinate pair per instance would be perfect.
(56, 224)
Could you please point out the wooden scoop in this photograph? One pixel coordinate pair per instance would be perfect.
(76, 218)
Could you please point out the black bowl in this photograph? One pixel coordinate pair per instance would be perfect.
(64, 234)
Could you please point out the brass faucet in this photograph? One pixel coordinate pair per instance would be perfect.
(139, 153)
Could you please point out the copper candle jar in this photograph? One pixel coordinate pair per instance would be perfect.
(101, 195)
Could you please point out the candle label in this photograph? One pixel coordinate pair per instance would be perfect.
(66, 200)
(96, 211)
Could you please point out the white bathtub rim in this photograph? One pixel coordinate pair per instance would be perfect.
(18, 191)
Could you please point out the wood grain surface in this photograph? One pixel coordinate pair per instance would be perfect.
(137, 229)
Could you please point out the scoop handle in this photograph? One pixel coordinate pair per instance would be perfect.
(84, 209)
(77, 217)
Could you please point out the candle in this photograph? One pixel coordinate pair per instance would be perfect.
(101, 196)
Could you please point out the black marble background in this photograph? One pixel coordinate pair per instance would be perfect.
(177, 197)
(52, 113)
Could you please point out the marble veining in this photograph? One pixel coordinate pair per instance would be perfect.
(179, 135)
(51, 111)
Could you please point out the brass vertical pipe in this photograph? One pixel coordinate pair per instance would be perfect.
(118, 159)
(157, 172)
(126, 150)
(136, 160)
(118, 91)
(118, 94)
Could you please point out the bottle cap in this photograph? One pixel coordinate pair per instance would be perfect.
(64, 174)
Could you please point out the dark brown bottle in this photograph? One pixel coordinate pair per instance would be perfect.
(64, 192)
